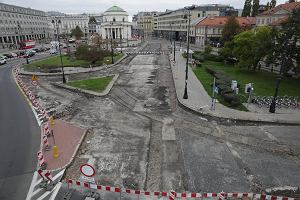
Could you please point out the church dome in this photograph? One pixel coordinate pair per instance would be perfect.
(115, 9)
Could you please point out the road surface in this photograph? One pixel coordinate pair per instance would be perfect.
(20, 138)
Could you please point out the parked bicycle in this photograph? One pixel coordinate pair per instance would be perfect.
(281, 101)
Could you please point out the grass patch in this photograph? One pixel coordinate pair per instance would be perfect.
(264, 82)
(117, 56)
(94, 84)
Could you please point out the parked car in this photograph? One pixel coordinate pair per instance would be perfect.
(2, 60)
(8, 55)
(53, 51)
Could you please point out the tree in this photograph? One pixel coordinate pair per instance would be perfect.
(97, 41)
(231, 28)
(77, 32)
(268, 6)
(247, 8)
(255, 8)
(286, 49)
(291, 1)
(252, 46)
(92, 20)
(273, 3)
(93, 54)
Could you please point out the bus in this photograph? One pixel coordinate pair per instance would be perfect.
(27, 44)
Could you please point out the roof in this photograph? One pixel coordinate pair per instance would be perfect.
(280, 21)
(115, 9)
(194, 22)
(221, 21)
(289, 7)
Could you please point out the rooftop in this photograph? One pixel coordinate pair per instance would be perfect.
(289, 7)
(221, 21)
(115, 9)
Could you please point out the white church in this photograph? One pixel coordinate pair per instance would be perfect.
(115, 24)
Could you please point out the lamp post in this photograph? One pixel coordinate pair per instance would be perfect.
(111, 44)
(56, 23)
(185, 95)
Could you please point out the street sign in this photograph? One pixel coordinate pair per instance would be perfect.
(34, 77)
(87, 170)
(216, 89)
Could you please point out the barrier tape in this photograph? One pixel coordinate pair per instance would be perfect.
(172, 195)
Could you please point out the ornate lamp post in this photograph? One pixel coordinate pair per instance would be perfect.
(111, 44)
(56, 23)
(185, 95)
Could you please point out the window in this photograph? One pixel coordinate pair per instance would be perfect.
(114, 19)
(123, 19)
(199, 14)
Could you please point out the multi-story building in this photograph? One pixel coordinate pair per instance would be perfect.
(209, 30)
(176, 22)
(115, 24)
(145, 23)
(18, 24)
(276, 14)
(69, 22)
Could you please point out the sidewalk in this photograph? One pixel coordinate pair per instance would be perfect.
(67, 138)
(200, 102)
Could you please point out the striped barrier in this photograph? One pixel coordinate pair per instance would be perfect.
(173, 195)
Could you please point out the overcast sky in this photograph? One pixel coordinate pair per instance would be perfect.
(131, 6)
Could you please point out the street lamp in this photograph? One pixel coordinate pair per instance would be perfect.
(185, 95)
(273, 103)
(56, 23)
(111, 44)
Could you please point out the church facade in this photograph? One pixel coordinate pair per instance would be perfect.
(115, 24)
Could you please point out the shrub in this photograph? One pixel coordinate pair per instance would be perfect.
(210, 70)
(224, 89)
(232, 99)
(198, 56)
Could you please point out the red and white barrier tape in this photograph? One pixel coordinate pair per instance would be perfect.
(172, 195)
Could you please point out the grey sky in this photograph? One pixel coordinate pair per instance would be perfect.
(131, 6)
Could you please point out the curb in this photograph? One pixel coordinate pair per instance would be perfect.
(26, 73)
(88, 92)
(224, 120)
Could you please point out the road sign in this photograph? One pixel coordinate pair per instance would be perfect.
(34, 77)
(87, 170)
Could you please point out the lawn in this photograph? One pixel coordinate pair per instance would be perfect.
(54, 62)
(94, 84)
(264, 82)
(107, 59)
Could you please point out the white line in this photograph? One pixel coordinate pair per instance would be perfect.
(36, 191)
(32, 185)
(59, 174)
(45, 195)
(56, 189)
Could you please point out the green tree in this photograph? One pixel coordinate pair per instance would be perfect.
(268, 6)
(92, 20)
(247, 8)
(231, 28)
(286, 48)
(77, 32)
(252, 46)
(273, 3)
(207, 50)
(90, 53)
(255, 8)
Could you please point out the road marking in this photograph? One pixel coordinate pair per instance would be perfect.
(32, 185)
(56, 189)
(270, 135)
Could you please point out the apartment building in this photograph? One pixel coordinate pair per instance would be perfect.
(276, 14)
(19, 23)
(145, 23)
(209, 30)
(175, 22)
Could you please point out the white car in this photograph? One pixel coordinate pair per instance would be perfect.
(53, 51)
(2, 60)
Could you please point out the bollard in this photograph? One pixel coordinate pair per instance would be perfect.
(52, 120)
(55, 151)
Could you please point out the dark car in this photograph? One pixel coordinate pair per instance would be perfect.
(8, 55)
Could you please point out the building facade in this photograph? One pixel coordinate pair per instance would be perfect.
(209, 30)
(176, 22)
(69, 22)
(18, 24)
(115, 24)
(145, 23)
(276, 14)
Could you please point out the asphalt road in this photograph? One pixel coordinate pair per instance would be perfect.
(20, 138)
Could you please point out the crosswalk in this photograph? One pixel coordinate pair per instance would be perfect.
(42, 190)
(145, 52)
